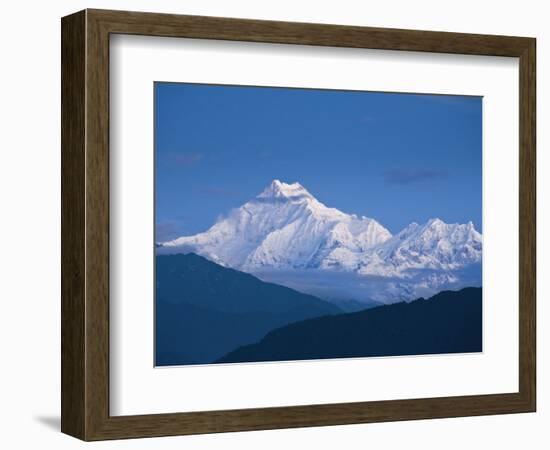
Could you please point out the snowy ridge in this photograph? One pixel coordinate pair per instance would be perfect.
(286, 228)
(434, 245)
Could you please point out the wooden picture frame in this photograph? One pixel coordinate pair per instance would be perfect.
(85, 224)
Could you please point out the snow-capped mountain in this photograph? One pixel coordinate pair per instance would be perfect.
(434, 245)
(283, 227)
(286, 229)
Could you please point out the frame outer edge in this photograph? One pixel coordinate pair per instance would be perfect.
(307, 33)
(85, 225)
(528, 224)
(73, 226)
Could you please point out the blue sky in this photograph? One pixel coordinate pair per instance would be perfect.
(397, 158)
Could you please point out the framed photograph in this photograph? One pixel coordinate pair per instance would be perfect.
(273, 225)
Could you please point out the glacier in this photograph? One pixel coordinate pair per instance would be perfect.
(285, 235)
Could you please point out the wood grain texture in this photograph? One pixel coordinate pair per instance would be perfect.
(151, 24)
(527, 223)
(97, 226)
(85, 224)
(73, 227)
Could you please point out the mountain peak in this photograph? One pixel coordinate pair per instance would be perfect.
(436, 221)
(438, 224)
(280, 190)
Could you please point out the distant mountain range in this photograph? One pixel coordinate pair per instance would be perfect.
(287, 236)
(204, 310)
(449, 322)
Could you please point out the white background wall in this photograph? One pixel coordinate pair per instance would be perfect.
(30, 221)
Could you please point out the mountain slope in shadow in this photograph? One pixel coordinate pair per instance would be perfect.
(204, 310)
(448, 322)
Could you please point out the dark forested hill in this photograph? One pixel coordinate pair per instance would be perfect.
(204, 310)
(449, 322)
